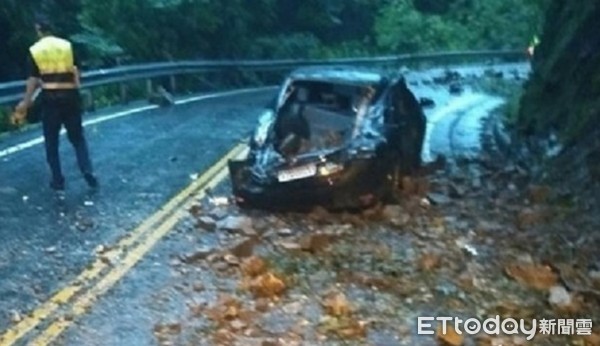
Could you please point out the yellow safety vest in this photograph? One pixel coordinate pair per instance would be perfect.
(54, 58)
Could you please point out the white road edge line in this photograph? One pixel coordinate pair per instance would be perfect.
(460, 103)
(39, 140)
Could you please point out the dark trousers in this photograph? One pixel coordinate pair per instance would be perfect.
(64, 109)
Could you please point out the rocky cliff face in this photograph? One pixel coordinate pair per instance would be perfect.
(563, 95)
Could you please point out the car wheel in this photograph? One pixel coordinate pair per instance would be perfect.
(412, 143)
(389, 190)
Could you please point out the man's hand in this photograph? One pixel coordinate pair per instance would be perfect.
(20, 113)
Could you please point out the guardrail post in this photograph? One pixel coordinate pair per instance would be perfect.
(173, 84)
(124, 94)
(149, 90)
(88, 100)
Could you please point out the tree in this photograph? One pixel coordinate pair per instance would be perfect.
(428, 25)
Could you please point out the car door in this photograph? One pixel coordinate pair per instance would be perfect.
(408, 115)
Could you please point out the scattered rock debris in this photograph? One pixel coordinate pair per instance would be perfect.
(458, 243)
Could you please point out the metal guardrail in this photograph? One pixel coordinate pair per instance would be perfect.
(13, 91)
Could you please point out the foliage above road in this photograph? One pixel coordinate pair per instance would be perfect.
(141, 31)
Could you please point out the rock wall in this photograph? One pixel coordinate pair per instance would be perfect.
(563, 94)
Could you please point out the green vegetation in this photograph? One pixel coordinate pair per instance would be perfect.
(430, 25)
(114, 31)
(5, 124)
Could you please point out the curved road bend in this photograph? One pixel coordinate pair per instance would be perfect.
(142, 160)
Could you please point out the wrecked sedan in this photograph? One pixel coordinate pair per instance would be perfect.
(338, 137)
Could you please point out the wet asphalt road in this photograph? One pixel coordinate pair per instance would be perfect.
(142, 160)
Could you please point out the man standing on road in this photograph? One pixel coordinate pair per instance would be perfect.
(52, 66)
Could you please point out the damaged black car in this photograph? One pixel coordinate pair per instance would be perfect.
(339, 137)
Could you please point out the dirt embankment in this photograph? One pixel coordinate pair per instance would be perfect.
(562, 93)
(561, 100)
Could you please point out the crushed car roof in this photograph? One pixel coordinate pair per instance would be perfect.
(343, 74)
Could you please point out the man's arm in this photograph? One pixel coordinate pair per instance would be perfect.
(31, 84)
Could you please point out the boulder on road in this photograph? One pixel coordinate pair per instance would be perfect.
(236, 224)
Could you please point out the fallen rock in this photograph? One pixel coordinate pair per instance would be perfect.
(237, 325)
(219, 213)
(456, 190)
(206, 222)
(319, 214)
(289, 245)
(267, 285)
(336, 304)
(195, 210)
(236, 224)
(50, 250)
(243, 248)
(592, 340)
(409, 185)
(84, 224)
(427, 102)
(531, 216)
(595, 276)
(455, 88)
(438, 198)
(231, 260)
(396, 215)
(197, 255)
(429, 261)
(219, 200)
(226, 309)
(285, 232)
(538, 194)
(253, 266)
(560, 297)
(293, 308)
(489, 226)
(449, 336)
(15, 316)
(374, 213)
(536, 276)
(315, 242)
(162, 331)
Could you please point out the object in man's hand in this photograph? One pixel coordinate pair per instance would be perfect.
(18, 117)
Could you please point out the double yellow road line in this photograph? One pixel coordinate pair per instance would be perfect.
(72, 301)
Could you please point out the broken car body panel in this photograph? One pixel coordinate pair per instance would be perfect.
(333, 137)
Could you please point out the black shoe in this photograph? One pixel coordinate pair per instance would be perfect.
(91, 180)
(59, 190)
(57, 186)
(60, 195)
